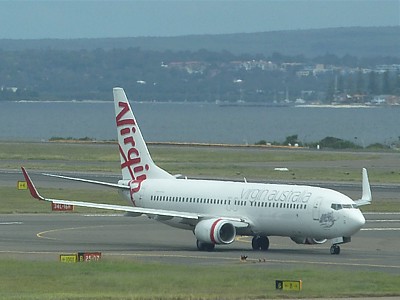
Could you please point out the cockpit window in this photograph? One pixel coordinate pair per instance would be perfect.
(342, 206)
(336, 206)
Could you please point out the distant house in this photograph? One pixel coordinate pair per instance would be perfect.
(9, 89)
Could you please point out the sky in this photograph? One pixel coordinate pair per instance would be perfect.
(131, 18)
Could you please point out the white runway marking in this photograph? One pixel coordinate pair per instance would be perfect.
(104, 215)
(11, 223)
(380, 229)
(381, 213)
(382, 221)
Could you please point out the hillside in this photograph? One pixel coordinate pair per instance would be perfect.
(328, 65)
(357, 41)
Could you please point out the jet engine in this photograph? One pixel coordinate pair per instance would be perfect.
(215, 231)
(307, 241)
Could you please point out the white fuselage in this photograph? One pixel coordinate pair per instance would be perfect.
(271, 209)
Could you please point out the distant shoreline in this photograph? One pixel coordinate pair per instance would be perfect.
(250, 104)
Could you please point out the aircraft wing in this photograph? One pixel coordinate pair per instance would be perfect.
(153, 213)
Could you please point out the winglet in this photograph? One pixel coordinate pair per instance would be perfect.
(32, 189)
(366, 197)
(366, 189)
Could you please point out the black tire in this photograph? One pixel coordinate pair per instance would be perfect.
(210, 247)
(264, 243)
(255, 243)
(201, 246)
(335, 250)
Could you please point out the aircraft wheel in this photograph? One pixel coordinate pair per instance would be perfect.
(264, 243)
(255, 243)
(260, 243)
(210, 247)
(335, 249)
(205, 246)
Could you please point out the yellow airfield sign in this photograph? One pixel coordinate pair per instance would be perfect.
(289, 285)
(22, 185)
(69, 258)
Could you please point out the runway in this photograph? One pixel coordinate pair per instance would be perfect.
(45, 236)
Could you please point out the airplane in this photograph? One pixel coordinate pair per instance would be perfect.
(219, 211)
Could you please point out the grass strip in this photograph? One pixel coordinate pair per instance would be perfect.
(114, 279)
(211, 162)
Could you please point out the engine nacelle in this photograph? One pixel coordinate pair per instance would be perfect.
(307, 241)
(215, 231)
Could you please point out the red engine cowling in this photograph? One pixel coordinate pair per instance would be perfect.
(215, 231)
(307, 241)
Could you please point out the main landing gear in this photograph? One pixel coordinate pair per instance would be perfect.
(260, 243)
(202, 246)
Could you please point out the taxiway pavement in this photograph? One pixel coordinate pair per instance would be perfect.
(45, 236)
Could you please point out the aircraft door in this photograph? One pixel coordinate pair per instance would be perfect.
(316, 209)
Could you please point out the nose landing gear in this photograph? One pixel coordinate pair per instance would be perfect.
(335, 249)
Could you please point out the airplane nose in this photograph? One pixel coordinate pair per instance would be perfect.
(360, 220)
(356, 221)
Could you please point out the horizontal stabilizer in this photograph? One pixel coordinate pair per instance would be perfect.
(113, 185)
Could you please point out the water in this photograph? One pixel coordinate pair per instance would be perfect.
(204, 123)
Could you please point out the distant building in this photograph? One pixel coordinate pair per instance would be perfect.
(9, 89)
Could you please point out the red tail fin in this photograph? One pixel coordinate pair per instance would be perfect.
(136, 162)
